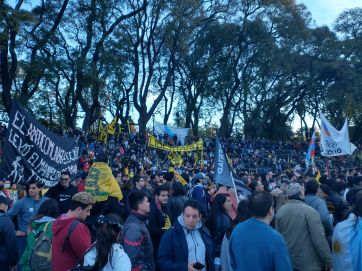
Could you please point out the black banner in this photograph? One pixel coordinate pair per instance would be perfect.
(32, 151)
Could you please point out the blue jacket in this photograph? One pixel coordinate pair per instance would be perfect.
(173, 250)
(255, 246)
(25, 209)
(8, 247)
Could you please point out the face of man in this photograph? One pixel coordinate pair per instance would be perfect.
(141, 183)
(82, 214)
(144, 207)
(163, 197)
(64, 180)
(191, 217)
(156, 179)
(34, 191)
(7, 184)
(260, 186)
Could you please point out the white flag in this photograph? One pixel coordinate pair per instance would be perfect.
(334, 142)
(181, 133)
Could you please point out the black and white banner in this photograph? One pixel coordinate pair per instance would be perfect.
(32, 151)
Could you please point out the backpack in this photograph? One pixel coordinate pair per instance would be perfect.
(41, 255)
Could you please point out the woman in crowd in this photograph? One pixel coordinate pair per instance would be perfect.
(218, 221)
(243, 213)
(42, 221)
(106, 254)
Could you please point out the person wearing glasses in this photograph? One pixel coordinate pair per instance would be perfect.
(106, 253)
(62, 192)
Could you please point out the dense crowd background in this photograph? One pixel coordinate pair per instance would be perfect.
(139, 228)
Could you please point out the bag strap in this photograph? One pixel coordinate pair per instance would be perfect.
(70, 231)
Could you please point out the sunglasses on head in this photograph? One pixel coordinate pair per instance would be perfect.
(103, 220)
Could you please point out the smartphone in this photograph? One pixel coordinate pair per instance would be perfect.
(198, 266)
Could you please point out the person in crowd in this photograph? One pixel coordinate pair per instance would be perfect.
(217, 222)
(187, 246)
(42, 221)
(8, 245)
(314, 201)
(24, 209)
(232, 194)
(155, 181)
(347, 240)
(106, 253)
(254, 245)
(10, 192)
(302, 228)
(337, 207)
(71, 238)
(200, 193)
(62, 192)
(136, 238)
(176, 203)
(256, 185)
(140, 183)
(158, 217)
(243, 213)
(356, 188)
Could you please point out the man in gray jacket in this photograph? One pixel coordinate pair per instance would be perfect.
(303, 231)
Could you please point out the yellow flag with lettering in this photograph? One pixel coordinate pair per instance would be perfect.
(101, 183)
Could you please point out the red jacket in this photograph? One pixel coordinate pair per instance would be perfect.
(79, 242)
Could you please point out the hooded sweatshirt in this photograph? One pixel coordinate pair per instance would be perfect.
(79, 242)
(195, 244)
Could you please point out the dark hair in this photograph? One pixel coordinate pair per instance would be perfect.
(311, 187)
(106, 235)
(137, 178)
(178, 190)
(74, 204)
(135, 198)
(339, 187)
(65, 172)
(260, 203)
(49, 208)
(193, 204)
(357, 208)
(161, 188)
(217, 208)
(102, 156)
(243, 213)
(326, 189)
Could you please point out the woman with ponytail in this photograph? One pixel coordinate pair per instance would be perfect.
(106, 254)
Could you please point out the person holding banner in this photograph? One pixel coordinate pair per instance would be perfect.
(24, 210)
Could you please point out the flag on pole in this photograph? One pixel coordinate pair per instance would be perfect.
(334, 142)
(309, 157)
(161, 129)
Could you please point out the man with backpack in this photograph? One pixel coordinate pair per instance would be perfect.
(71, 238)
(8, 248)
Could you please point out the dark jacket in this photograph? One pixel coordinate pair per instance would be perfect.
(8, 247)
(220, 224)
(137, 242)
(173, 250)
(62, 196)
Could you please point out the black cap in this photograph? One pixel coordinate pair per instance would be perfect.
(4, 200)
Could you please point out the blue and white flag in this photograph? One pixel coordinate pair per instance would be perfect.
(181, 133)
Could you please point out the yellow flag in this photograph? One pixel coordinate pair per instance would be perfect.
(318, 176)
(101, 183)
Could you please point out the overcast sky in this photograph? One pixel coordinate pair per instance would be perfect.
(325, 12)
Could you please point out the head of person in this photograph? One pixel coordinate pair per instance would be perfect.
(256, 185)
(7, 184)
(311, 187)
(357, 208)
(243, 213)
(102, 156)
(220, 205)
(324, 191)
(295, 191)
(33, 188)
(4, 203)
(139, 182)
(178, 190)
(49, 208)
(155, 179)
(81, 204)
(108, 230)
(161, 194)
(64, 179)
(191, 214)
(138, 202)
(261, 206)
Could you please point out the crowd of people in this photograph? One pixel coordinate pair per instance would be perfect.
(160, 221)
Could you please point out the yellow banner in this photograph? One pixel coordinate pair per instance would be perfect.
(154, 143)
(175, 158)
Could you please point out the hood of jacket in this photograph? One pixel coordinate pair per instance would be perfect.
(182, 223)
(61, 222)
